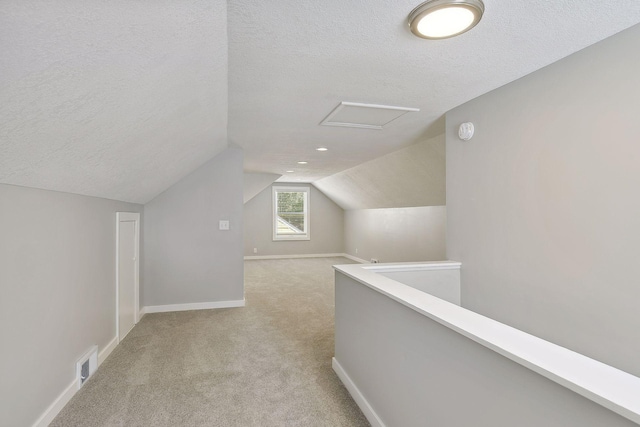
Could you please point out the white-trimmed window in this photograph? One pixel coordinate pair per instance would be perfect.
(290, 213)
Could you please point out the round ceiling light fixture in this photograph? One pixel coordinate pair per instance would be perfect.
(322, 149)
(441, 19)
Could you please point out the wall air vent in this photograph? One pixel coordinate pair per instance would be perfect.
(364, 116)
(86, 365)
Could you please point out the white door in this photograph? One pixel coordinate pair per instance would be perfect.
(127, 239)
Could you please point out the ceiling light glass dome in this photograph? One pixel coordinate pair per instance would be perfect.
(441, 19)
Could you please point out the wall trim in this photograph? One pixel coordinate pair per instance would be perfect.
(193, 306)
(356, 259)
(106, 351)
(331, 255)
(54, 409)
(57, 405)
(135, 218)
(360, 400)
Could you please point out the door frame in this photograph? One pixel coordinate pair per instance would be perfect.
(128, 217)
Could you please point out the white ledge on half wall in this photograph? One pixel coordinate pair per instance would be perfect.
(606, 385)
(294, 256)
(329, 255)
(413, 266)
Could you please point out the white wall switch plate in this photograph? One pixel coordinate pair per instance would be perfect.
(224, 225)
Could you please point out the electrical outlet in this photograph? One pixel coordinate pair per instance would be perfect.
(374, 261)
(255, 250)
(356, 251)
(223, 225)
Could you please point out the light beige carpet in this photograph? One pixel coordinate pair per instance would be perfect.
(267, 364)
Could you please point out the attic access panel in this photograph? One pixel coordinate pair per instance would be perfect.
(364, 116)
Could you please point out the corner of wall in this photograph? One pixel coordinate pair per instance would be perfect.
(188, 259)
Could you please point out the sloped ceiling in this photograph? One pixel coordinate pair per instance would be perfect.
(116, 99)
(291, 62)
(255, 182)
(121, 99)
(412, 176)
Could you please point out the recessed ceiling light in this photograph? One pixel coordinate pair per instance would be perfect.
(440, 19)
(302, 163)
(289, 171)
(321, 149)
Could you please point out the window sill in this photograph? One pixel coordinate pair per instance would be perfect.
(290, 238)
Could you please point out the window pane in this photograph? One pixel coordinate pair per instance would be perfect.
(291, 212)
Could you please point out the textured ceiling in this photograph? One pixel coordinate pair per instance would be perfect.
(255, 182)
(116, 99)
(120, 99)
(412, 176)
(291, 62)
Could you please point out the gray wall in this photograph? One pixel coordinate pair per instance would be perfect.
(327, 226)
(255, 182)
(393, 235)
(543, 203)
(412, 176)
(57, 292)
(415, 372)
(187, 258)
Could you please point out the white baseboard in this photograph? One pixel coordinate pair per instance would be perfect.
(351, 257)
(141, 313)
(360, 400)
(193, 306)
(293, 256)
(54, 409)
(106, 351)
(356, 259)
(57, 405)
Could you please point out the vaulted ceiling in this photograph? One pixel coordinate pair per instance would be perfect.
(121, 99)
(117, 99)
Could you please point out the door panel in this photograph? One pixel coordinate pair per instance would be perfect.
(126, 277)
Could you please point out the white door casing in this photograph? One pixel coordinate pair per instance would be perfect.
(127, 271)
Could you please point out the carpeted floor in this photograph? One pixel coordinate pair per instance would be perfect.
(267, 364)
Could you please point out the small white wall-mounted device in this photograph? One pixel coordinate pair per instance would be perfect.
(465, 132)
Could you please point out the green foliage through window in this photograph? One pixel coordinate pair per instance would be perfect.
(291, 212)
